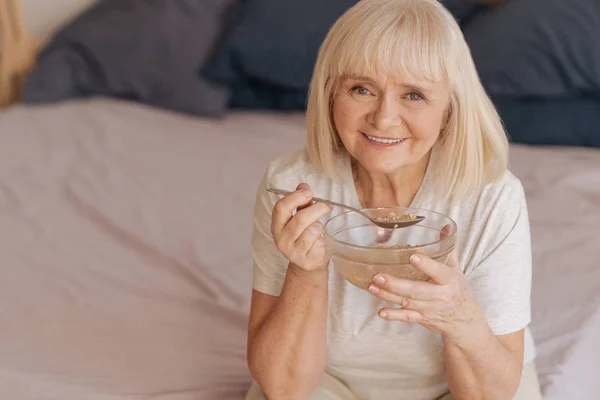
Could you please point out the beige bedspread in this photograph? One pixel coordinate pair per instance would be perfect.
(124, 260)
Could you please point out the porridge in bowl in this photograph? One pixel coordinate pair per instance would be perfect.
(359, 250)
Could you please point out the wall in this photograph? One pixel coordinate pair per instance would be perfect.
(43, 17)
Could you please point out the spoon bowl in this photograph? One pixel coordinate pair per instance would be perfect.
(391, 221)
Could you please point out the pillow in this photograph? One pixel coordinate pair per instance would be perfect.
(268, 51)
(462, 10)
(537, 48)
(147, 51)
(559, 122)
(259, 95)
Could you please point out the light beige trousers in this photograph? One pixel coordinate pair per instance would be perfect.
(331, 388)
(529, 389)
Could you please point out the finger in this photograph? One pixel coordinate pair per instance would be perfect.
(303, 219)
(284, 208)
(446, 231)
(415, 290)
(401, 314)
(393, 298)
(308, 237)
(438, 272)
(383, 235)
(319, 249)
(305, 187)
(452, 259)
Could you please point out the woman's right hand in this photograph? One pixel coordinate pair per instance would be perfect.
(299, 237)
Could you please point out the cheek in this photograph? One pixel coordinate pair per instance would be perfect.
(427, 127)
(339, 116)
(427, 133)
(346, 117)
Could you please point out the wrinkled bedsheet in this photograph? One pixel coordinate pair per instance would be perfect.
(125, 263)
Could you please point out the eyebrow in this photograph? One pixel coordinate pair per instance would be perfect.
(411, 86)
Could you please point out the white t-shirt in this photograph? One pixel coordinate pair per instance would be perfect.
(381, 359)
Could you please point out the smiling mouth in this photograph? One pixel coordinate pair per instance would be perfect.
(383, 140)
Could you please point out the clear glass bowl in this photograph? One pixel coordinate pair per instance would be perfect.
(359, 249)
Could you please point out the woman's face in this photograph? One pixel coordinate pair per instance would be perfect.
(387, 123)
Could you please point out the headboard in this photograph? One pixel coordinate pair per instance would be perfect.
(18, 51)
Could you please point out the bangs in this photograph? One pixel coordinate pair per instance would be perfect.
(416, 45)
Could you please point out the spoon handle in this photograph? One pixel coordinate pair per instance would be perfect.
(333, 203)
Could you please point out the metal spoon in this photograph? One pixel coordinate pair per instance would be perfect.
(382, 224)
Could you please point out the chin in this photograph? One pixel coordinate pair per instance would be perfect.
(382, 166)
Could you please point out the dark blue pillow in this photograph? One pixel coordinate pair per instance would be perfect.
(269, 49)
(147, 51)
(462, 10)
(538, 48)
(558, 121)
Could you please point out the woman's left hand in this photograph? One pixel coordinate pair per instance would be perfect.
(445, 303)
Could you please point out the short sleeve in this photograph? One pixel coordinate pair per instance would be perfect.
(501, 280)
(270, 266)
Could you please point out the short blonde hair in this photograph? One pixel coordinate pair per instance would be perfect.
(418, 39)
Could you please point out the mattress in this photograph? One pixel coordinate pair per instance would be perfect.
(126, 266)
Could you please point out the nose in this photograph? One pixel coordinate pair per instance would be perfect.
(386, 114)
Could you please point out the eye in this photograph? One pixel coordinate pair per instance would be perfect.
(414, 96)
(361, 90)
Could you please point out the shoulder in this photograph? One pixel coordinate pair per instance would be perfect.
(497, 206)
(290, 169)
(496, 216)
(295, 162)
(501, 199)
(505, 193)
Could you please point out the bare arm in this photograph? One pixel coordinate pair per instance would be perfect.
(286, 337)
(479, 365)
(287, 334)
(485, 366)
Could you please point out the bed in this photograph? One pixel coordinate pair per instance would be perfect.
(126, 268)
(125, 226)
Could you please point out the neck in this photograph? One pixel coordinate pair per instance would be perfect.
(395, 189)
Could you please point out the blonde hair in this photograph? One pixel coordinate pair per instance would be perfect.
(418, 39)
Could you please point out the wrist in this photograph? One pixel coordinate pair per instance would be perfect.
(474, 336)
(317, 274)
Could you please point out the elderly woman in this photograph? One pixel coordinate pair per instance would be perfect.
(396, 117)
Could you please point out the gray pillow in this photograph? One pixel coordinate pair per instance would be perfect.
(146, 51)
(538, 48)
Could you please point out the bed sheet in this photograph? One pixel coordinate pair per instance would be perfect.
(126, 267)
(562, 186)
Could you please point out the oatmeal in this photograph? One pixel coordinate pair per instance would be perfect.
(396, 246)
(393, 217)
(360, 268)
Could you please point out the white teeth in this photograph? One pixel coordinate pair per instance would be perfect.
(385, 141)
